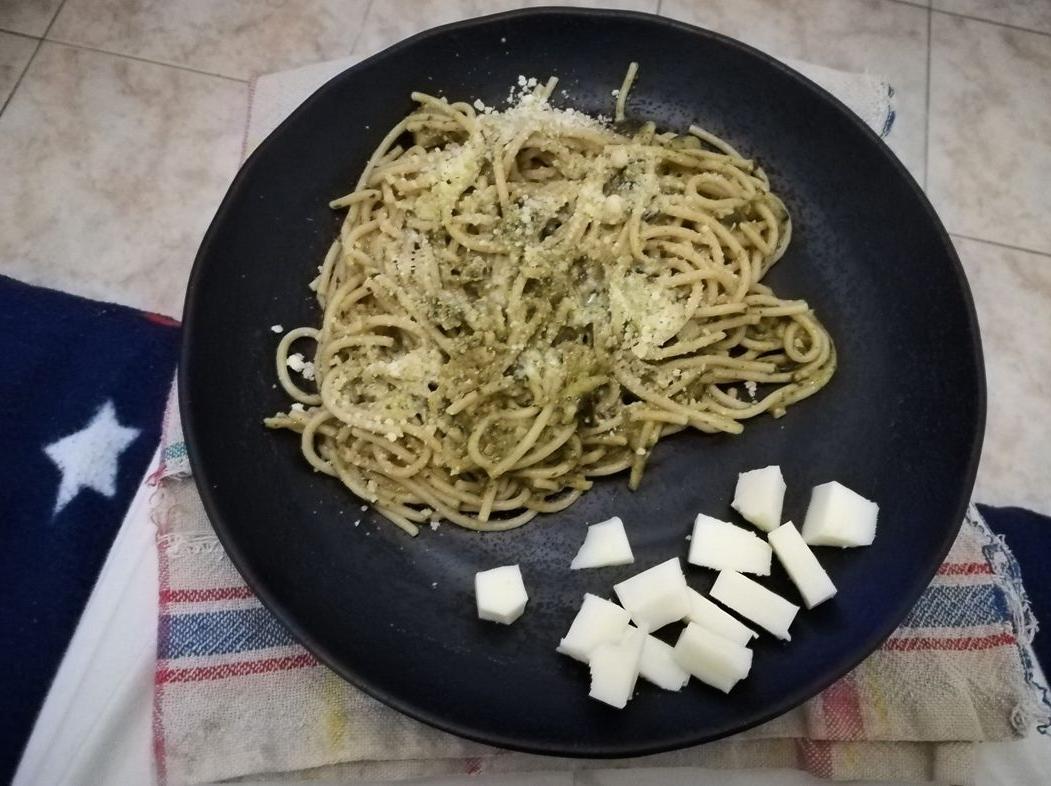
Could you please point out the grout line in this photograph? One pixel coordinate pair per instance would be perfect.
(972, 18)
(361, 26)
(32, 57)
(1001, 245)
(20, 35)
(53, 18)
(119, 54)
(659, 4)
(927, 106)
(21, 76)
(994, 23)
(138, 59)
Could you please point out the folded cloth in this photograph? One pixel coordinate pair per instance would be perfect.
(1026, 533)
(236, 696)
(83, 392)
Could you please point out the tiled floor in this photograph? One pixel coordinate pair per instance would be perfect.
(122, 120)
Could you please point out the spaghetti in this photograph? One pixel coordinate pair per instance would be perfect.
(520, 301)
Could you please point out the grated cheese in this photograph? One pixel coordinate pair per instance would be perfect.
(296, 362)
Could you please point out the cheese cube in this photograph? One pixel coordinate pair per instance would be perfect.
(658, 665)
(759, 496)
(605, 543)
(710, 617)
(656, 596)
(840, 517)
(615, 668)
(500, 594)
(755, 602)
(711, 658)
(599, 621)
(802, 566)
(725, 546)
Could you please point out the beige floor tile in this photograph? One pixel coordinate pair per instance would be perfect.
(1030, 14)
(230, 38)
(110, 171)
(882, 37)
(15, 51)
(389, 21)
(1012, 292)
(990, 131)
(27, 16)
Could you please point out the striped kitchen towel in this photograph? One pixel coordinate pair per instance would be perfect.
(237, 696)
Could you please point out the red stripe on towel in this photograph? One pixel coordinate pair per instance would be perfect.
(965, 569)
(239, 669)
(841, 705)
(912, 644)
(203, 595)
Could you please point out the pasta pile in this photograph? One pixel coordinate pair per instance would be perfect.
(520, 301)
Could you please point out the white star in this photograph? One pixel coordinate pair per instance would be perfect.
(88, 458)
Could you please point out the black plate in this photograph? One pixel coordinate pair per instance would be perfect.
(901, 421)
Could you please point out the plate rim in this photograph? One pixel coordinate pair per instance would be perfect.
(259, 586)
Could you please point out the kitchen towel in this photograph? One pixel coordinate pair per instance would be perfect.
(235, 695)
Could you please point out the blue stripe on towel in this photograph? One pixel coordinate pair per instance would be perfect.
(959, 606)
(222, 632)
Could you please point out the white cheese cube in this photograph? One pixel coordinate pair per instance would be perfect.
(605, 543)
(759, 496)
(656, 596)
(725, 546)
(838, 516)
(599, 621)
(711, 658)
(802, 566)
(755, 602)
(615, 668)
(500, 594)
(658, 665)
(711, 617)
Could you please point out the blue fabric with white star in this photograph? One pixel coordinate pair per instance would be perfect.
(81, 403)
